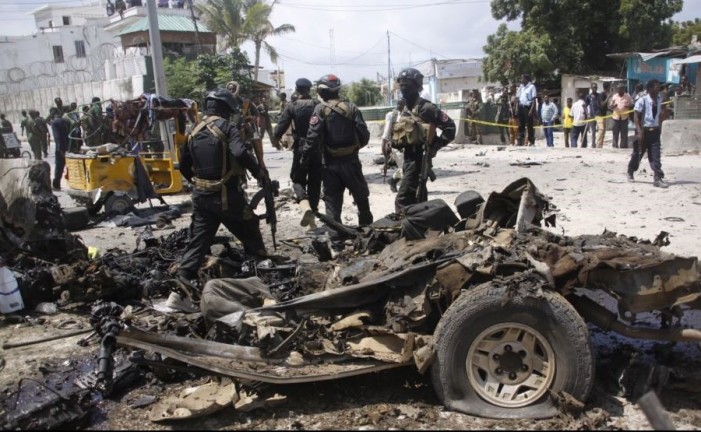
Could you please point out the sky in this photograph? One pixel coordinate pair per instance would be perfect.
(350, 37)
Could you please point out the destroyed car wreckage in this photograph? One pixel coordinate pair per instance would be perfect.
(491, 304)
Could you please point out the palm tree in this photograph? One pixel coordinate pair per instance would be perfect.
(257, 28)
(225, 18)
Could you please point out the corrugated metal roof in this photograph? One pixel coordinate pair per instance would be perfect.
(172, 23)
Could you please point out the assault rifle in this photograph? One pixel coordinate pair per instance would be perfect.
(426, 164)
(270, 190)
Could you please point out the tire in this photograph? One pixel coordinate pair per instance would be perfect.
(535, 346)
(75, 218)
(26, 155)
(119, 204)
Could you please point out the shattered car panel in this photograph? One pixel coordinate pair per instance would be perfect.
(383, 308)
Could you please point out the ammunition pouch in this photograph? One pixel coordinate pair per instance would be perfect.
(207, 185)
(408, 131)
(343, 151)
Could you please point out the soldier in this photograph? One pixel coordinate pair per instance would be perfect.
(306, 181)
(33, 135)
(474, 110)
(214, 159)
(74, 137)
(23, 123)
(424, 114)
(265, 125)
(92, 124)
(503, 116)
(42, 129)
(61, 128)
(337, 131)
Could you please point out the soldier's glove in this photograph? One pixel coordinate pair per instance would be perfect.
(262, 174)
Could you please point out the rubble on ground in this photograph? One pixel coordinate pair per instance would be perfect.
(369, 301)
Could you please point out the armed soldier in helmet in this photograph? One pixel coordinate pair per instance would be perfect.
(306, 180)
(214, 160)
(414, 130)
(336, 133)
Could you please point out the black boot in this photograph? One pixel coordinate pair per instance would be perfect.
(393, 184)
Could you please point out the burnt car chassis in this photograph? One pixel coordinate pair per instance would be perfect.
(494, 307)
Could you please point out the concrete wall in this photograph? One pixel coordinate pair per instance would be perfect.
(42, 99)
(679, 136)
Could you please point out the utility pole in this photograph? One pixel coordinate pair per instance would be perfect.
(156, 49)
(159, 74)
(389, 74)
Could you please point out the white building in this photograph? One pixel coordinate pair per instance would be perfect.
(452, 80)
(80, 52)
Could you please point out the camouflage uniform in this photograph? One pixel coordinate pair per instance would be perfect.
(474, 109)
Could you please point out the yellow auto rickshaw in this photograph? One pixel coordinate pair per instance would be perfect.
(137, 168)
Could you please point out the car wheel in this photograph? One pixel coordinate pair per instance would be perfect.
(120, 204)
(505, 356)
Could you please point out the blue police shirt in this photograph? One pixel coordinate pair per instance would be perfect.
(644, 106)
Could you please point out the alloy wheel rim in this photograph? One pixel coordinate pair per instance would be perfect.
(510, 365)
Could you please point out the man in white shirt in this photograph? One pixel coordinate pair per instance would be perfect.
(579, 117)
(389, 152)
(525, 94)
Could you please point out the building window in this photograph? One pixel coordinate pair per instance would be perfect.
(58, 54)
(79, 48)
(66, 20)
(51, 24)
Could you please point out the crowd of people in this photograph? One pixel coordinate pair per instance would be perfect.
(520, 109)
(67, 126)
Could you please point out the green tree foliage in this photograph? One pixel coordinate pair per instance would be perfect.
(257, 28)
(192, 79)
(574, 36)
(363, 93)
(179, 72)
(225, 18)
(507, 59)
(682, 32)
(237, 21)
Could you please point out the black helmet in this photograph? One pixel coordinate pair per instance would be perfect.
(411, 74)
(303, 83)
(222, 95)
(329, 82)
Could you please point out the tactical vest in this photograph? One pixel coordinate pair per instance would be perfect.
(236, 169)
(409, 129)
(344, 109)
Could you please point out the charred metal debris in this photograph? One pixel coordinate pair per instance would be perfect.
(349, 300)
